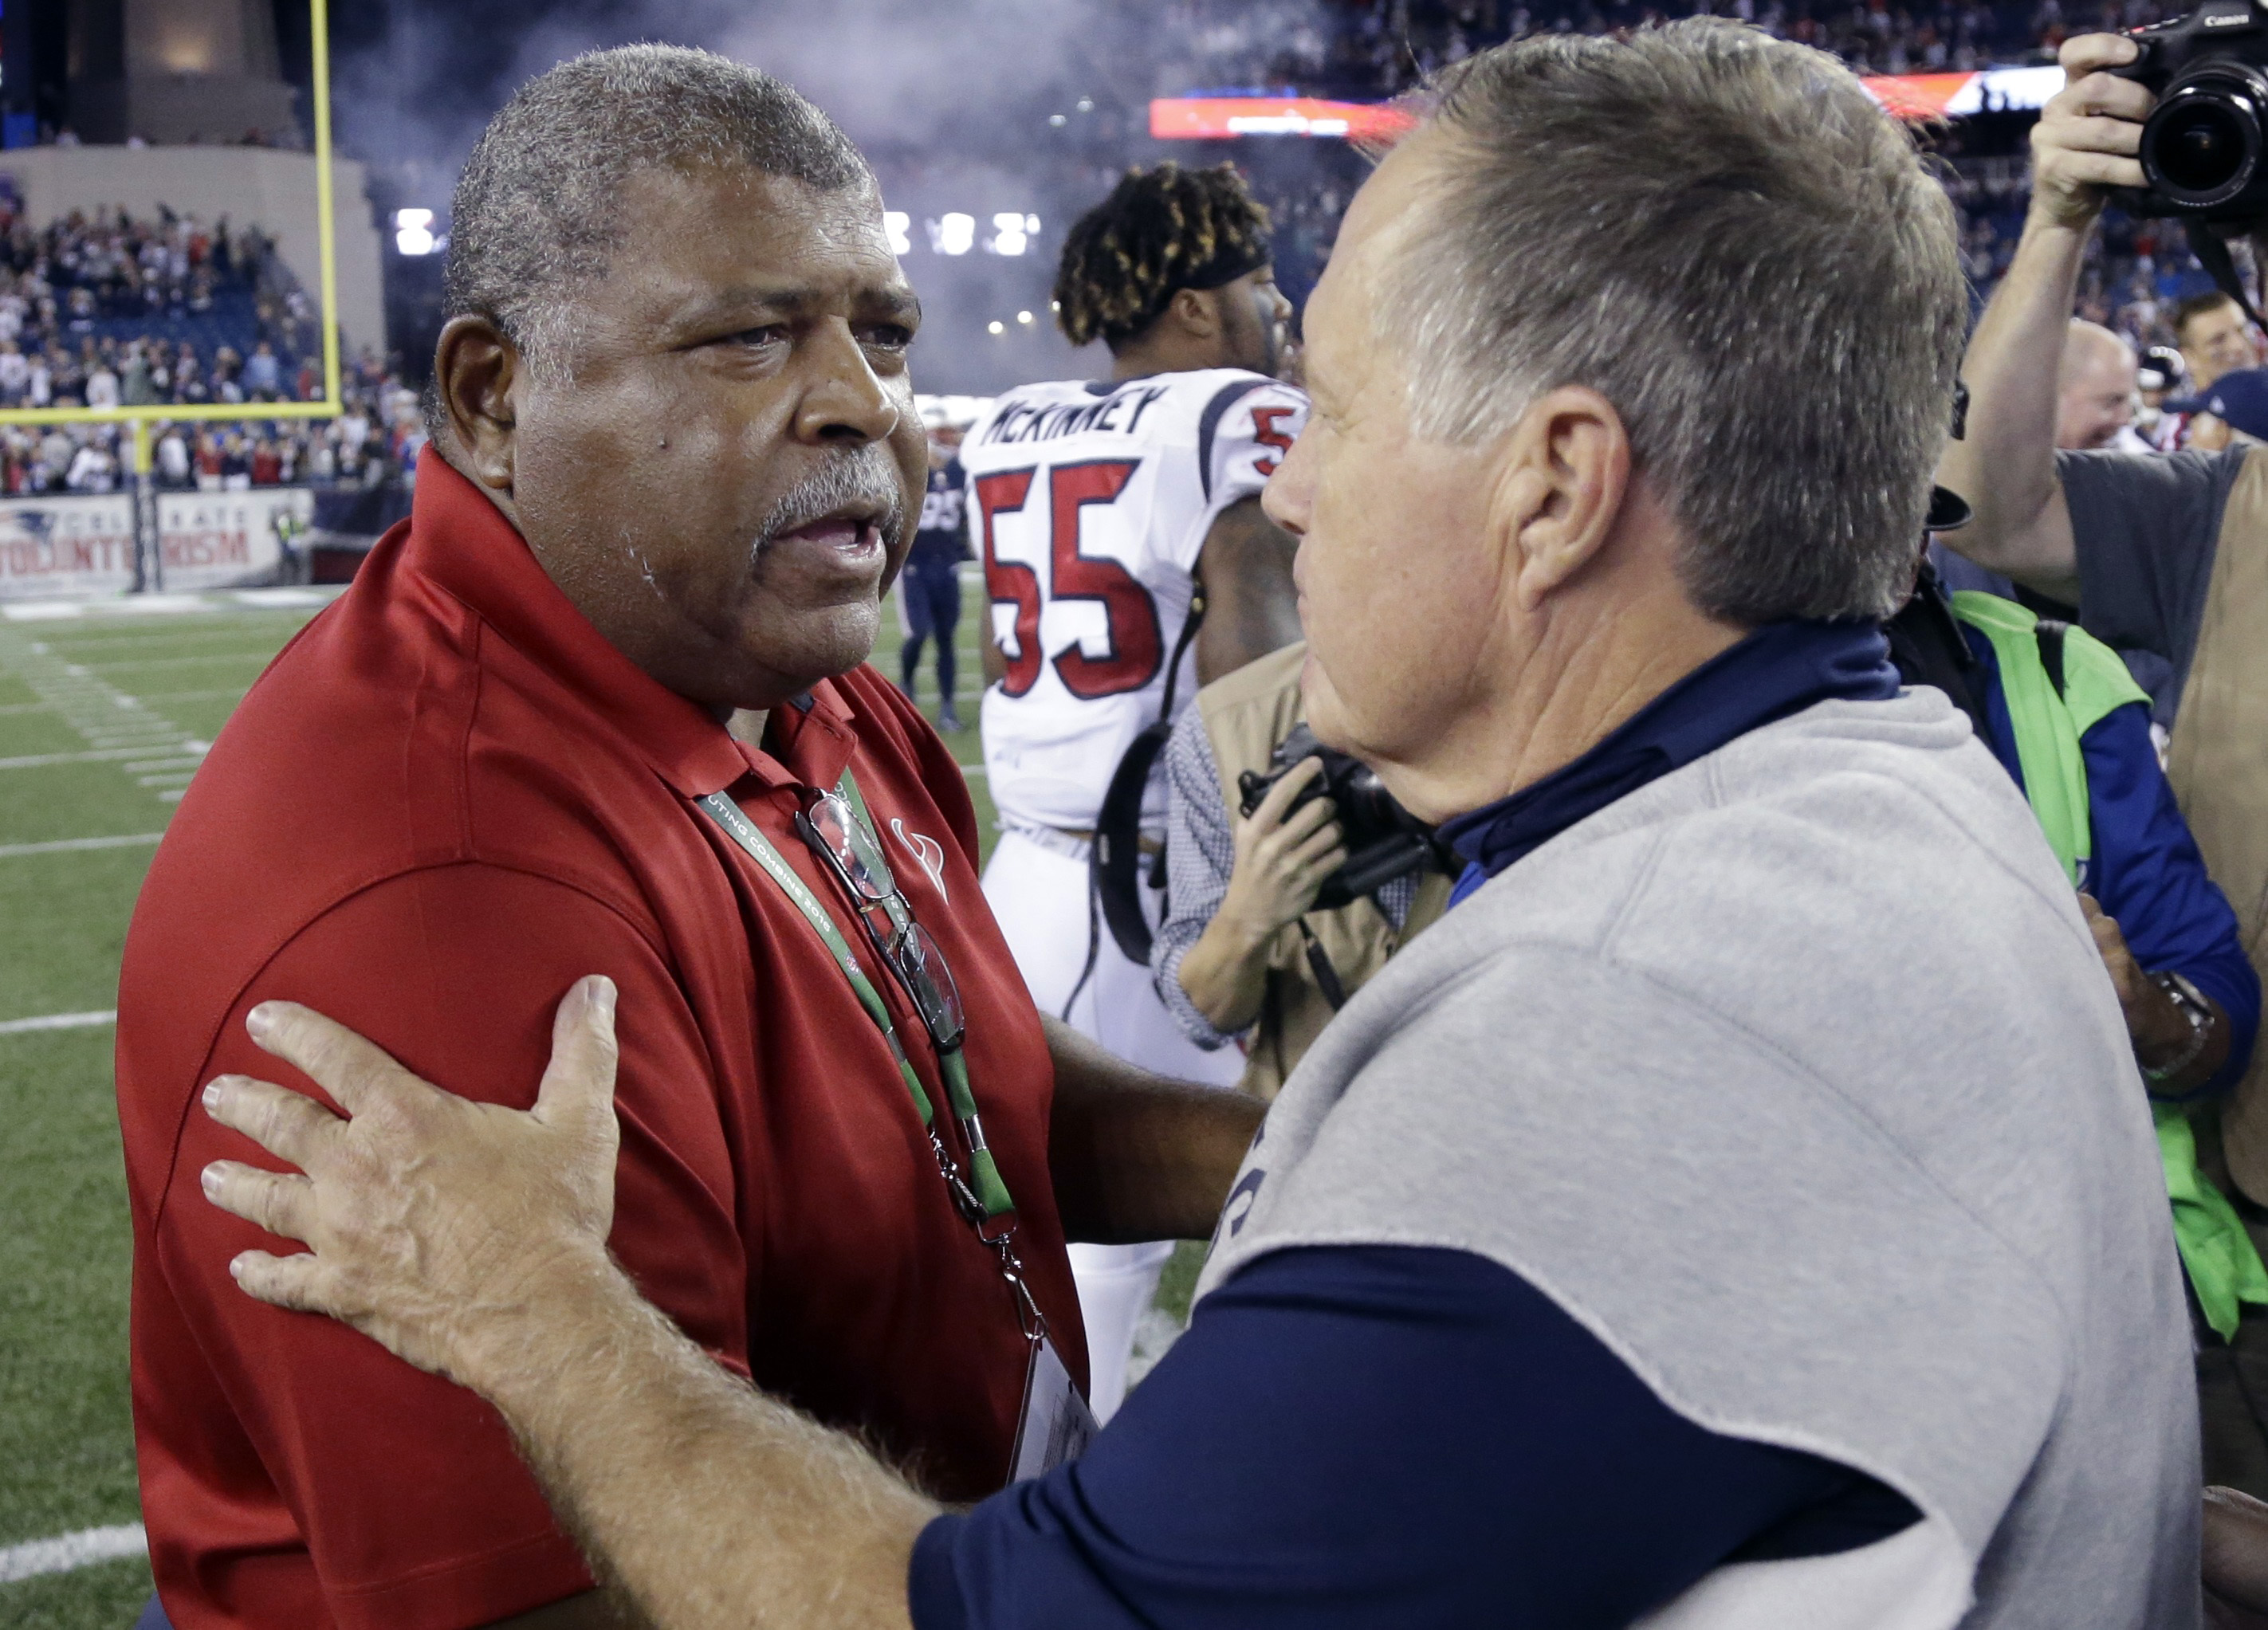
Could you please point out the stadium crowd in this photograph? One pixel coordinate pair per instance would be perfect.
(1370, 49)
(108, 309)
(103, 309)
(373, 443)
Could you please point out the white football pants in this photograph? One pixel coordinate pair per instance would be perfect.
(1039, 898)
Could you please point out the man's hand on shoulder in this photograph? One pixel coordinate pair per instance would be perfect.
(471, 1240)
(442, 1227)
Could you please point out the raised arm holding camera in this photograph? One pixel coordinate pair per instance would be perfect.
(2167, 553)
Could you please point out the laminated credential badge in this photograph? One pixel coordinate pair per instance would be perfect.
(1057, 1425)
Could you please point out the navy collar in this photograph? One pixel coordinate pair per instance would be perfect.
(1780, 670)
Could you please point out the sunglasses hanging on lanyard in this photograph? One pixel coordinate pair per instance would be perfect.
(1054, 1424)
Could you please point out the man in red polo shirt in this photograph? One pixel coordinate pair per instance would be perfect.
(600, 705)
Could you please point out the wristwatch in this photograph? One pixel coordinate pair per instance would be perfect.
(2196, 1009)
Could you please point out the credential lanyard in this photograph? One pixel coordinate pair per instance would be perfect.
(989, 1199)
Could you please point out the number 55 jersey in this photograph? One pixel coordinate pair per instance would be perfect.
(1089, 505)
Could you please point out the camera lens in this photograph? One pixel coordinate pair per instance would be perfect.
(2201, 146)
(1365, 804)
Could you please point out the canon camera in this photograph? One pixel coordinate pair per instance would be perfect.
(1383, 841)
(2201, 147)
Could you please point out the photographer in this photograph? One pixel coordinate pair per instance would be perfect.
(1235, 957)
(2166, 553)
(2067, 721)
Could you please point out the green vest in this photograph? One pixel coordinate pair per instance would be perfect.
(2049, 722)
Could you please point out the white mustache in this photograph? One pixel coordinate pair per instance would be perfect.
(867, 475)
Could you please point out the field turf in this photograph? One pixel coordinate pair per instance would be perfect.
(146, 690)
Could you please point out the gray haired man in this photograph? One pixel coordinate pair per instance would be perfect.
(602, 706)
(1626, 1250)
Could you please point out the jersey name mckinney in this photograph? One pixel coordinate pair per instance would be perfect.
(1019, 423)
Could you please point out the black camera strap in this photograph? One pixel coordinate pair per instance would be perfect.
(1319, 964)
(1114, 860)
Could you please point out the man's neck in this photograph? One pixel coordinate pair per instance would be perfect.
(595, 608)
(1589, 675)
(1176, 354)
(747, 726)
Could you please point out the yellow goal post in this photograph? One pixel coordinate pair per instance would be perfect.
(329, 407)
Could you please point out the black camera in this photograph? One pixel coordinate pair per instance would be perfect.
(1383, 841)
(2202, 145)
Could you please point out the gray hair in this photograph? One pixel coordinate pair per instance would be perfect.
(536, 217)
(1723, 235)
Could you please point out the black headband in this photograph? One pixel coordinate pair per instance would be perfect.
(1226, 266)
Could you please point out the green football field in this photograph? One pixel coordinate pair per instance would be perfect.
(104, 715)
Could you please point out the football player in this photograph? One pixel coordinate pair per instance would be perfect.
(929, 586)
(1101, 509)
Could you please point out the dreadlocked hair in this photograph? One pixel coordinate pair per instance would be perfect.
(1127, 256)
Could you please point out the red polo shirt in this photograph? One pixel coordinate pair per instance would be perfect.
(448, 799)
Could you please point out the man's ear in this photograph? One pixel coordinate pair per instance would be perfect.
(477, 369)
(1564, 473)
(1197, 311)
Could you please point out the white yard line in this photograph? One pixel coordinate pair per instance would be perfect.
(234, 692)
(107, 666)
(65, 846)
(160, 605)
(168, 604)
(56, 1021)
(113, 724)
(98, 755)
(67, 1552)
(91, 645)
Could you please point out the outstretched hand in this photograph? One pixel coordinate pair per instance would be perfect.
(434, 1221)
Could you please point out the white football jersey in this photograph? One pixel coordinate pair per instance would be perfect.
(1088, 505)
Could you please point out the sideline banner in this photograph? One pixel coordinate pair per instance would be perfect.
(228, 539)
(66, 545)
(1908, 96)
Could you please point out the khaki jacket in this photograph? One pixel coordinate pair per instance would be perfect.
(1246, 714)
(2219, 767)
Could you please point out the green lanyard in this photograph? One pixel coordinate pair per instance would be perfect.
(989, 1198)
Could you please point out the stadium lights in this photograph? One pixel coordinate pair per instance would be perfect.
(1024, 318)
(952, 234)
(413, 231)
(1012, 232)
(955, 233)
(995, 327)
